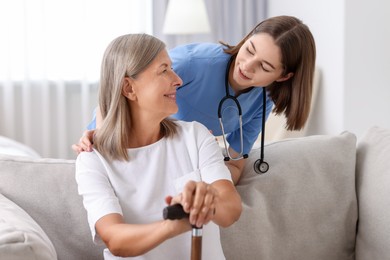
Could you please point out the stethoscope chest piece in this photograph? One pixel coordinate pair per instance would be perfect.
(260, 166)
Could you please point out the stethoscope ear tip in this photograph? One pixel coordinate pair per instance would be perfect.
(245, 156)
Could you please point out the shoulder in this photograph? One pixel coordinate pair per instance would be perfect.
(193, 125)
(88, 160)
(87, 156)
(193, 128)
(197, 50)
(194, 136)
(198, 60)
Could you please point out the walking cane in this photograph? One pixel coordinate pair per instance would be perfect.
(176, 212)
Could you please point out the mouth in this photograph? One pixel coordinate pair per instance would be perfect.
(171, 96)
(242, 75)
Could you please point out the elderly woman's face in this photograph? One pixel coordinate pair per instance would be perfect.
(155, 87)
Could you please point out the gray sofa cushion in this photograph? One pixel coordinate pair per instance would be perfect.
(373, 186)
(46, 189)
(304, 207)
(21, 236)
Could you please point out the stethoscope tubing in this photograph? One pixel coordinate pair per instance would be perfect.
(260, 166)
(225, 98)
(228, 96)
(263, 126)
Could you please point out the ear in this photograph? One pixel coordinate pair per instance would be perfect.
(284, 78)
(128, 89)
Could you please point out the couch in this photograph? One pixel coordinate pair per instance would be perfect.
(324, 197)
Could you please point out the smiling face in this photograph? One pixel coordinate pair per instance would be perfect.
(153, 91)
(258, 63)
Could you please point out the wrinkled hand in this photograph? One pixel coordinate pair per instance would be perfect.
(199, 200)
(85, 142)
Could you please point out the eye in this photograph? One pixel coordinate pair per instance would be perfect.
(168, 69)
(249, 51)
(264, 68)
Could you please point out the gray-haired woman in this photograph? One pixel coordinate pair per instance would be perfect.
(143, 160)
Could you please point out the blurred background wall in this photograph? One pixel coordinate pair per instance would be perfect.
(50, 52)
(353, 39)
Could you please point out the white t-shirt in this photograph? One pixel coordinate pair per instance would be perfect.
(137, 189)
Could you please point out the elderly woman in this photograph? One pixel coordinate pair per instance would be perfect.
(143, 160)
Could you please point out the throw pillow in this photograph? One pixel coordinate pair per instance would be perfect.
(20, 236)
(373, 182)
(304, 207)
(14, 148)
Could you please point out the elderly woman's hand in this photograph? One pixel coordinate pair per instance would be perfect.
(199, 200)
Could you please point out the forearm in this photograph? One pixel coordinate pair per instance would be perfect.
(126, 240)
(235, 172)
(236, 167)
(228, 207)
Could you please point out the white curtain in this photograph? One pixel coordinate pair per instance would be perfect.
(63, 39)
(50, 55)
(230, 20)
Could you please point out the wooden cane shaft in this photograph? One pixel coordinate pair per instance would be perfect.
(196, 248)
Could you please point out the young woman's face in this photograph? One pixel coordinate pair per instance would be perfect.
(258, 63)
(155, 87)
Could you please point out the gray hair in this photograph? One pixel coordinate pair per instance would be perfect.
(126, 56)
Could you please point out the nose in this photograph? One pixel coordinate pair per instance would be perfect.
(177, 80)
(249, 65)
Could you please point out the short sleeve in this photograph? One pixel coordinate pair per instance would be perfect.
(94, 186)
(211, 164)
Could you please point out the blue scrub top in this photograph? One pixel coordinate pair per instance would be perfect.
(202, 67)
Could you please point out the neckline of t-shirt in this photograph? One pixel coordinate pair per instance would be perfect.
(147, 147)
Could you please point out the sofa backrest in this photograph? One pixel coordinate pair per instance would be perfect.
(304, 207)
(46, 189)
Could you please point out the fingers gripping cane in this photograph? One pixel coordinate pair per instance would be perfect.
(176, 212)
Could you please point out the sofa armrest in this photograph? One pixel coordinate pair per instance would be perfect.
(46, 189)
(372, 183)
(21, 236)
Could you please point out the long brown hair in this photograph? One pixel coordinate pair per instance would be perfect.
(297, 46)
(126, 56)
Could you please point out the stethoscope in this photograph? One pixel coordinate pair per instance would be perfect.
(260, 166)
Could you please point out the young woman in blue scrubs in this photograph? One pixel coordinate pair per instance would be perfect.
(277, 56)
